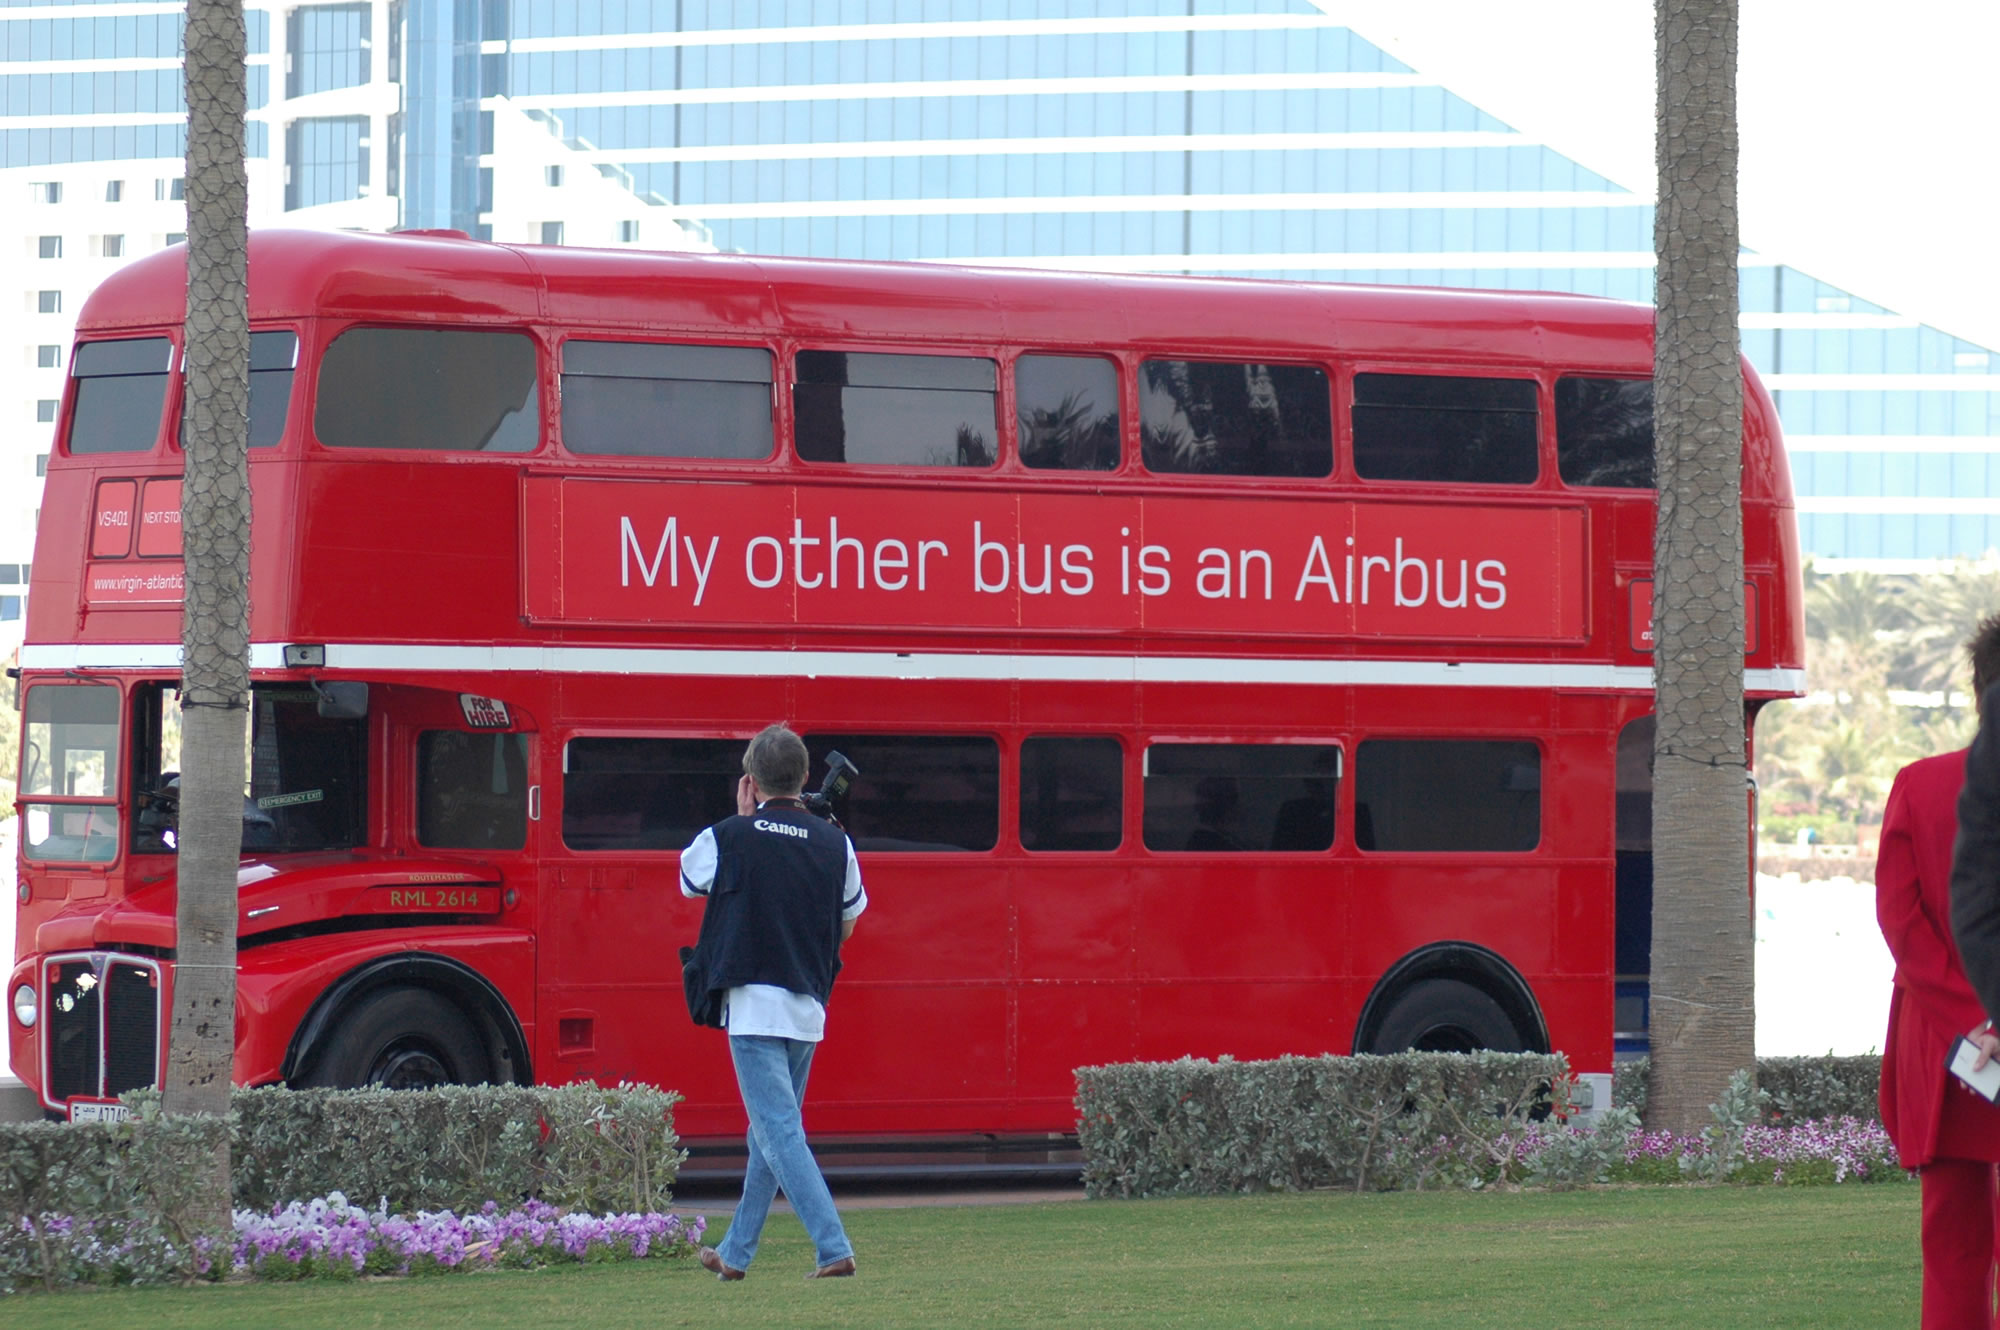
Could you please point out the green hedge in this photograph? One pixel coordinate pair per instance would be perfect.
(136, 1181)
(452, 1148)
(457, 1147)
(1800, 1089)
(1405, 1120)
(132, 1184)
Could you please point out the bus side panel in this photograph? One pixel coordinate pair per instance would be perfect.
(920, 1015)
(1077, 935)
(276, 985)
(1242, 958)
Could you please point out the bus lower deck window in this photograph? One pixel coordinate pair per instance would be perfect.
(472, 790)
(642, 793)
(915, 791)
(1222, 798)
(1441, 795)
(1072, 792)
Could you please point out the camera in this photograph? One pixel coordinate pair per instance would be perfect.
(840, 774)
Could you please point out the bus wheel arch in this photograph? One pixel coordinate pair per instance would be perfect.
(1451, 996)
(421, 1014)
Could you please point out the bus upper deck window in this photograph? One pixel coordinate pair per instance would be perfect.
(273, 357)
(895, 410)
(653, 399)
(121, 391)
(1604, 432)
(1068, 412)
(444, 390)
(1222, 419)
(1445, 429)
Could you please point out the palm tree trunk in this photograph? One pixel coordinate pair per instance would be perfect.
(215, 522)
(1703, 1014)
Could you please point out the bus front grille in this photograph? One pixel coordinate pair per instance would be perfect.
(131, 1027)
(103, 1025)
(73, 1034)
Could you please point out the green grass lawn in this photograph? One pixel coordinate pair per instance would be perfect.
(1688, 1258)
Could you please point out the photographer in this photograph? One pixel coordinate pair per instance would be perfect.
(783, 890)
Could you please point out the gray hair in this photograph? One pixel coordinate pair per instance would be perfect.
(776, 759)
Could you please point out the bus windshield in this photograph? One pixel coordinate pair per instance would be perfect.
(307, 786)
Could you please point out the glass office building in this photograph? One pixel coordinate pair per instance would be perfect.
(1256, 138)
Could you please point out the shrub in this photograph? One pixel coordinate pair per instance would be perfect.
(455, 1148)
(1799, 1090)
(458, 1146)
(1415, 1120)
(1405, 1120)
(133, 1179)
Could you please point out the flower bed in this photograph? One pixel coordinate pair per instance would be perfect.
(330, 1238)
(1830, 1151)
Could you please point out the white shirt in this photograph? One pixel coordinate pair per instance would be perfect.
(766, 1009)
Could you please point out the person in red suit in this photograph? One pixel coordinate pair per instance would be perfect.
(1948, 1134)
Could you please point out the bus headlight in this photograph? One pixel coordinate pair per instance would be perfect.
(24, 1006)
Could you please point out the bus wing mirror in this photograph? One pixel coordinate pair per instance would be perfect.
(342, 700)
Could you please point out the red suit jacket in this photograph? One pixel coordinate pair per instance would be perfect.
(1932, 1003)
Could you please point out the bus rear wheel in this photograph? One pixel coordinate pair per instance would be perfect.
(403, 1039)
(1445, 1016)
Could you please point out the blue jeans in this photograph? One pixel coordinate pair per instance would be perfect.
(771, 1073)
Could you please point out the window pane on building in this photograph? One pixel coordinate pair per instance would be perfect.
(444, 390)
(326, 160)
(1207, 418)
(1068, 410)
(895, 410)
(635, 793)
(650, 399)
(328, 46)
(1447, 794)
(472, 790)
(915, 792)
(1445, 429)
(121, 390)
(1228, 798)
(1072, 792)
(1604, 432)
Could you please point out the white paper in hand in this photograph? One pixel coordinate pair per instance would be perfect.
(1986, 1081)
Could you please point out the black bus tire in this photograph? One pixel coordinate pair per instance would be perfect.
(1445, 1016)
(402, 1039)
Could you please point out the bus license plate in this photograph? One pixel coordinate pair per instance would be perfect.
(97, 1110)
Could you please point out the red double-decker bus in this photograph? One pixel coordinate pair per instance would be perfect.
(1231, 667)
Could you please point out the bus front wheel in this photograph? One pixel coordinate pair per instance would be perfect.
(403, 1039)
(1445, 1016)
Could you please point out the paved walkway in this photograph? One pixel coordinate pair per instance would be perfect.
(719, 1200)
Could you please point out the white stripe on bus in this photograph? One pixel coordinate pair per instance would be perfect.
(365, 657)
